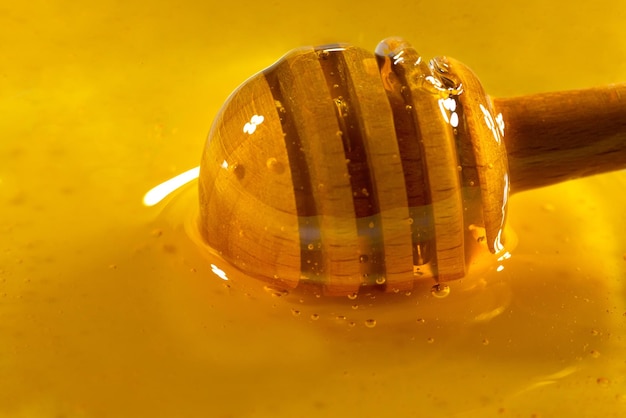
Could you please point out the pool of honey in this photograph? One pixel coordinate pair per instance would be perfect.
(109, 308)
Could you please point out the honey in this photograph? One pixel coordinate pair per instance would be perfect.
(110, 308)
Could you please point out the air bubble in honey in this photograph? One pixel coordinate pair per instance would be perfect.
(440, 290)
(239, 171)
(279, 105)
(370, 323)
(276, 291)
(275, 166)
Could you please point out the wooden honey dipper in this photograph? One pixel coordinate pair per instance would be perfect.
(348, 169)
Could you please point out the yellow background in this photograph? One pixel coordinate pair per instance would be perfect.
(107, 309)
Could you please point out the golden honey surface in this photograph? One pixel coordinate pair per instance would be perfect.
(109, 308)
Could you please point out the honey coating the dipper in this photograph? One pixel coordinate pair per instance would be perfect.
(345, 169)
(348, 169)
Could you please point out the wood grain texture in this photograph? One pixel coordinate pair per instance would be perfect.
(306, 100)
(346, 170)
(248, 210)
(485, 137)
(554, 137)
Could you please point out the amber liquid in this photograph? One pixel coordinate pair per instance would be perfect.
(109, 308)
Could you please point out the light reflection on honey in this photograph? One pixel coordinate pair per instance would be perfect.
(108, 308)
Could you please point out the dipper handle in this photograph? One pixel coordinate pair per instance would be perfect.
(554, 137)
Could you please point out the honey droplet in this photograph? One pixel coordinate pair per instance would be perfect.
(370, 323)
(440, 291)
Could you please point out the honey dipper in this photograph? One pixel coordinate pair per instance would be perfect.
(347, 169)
